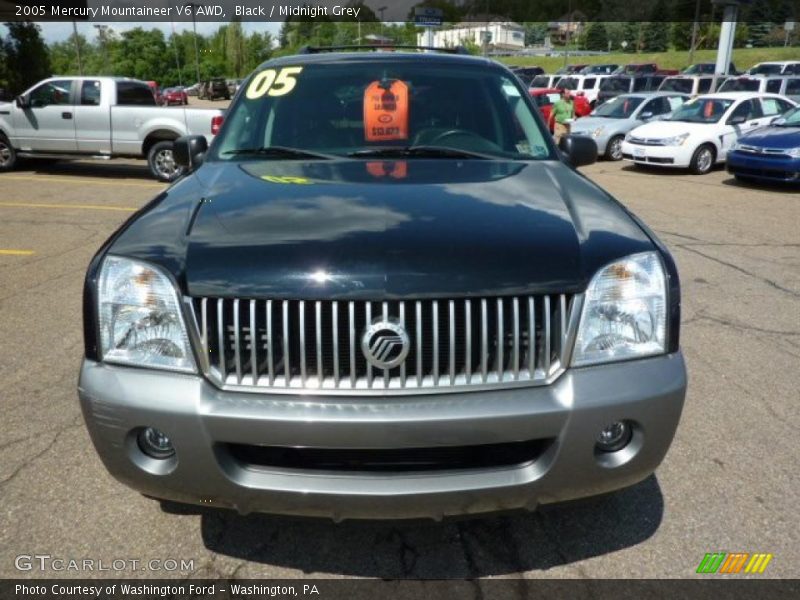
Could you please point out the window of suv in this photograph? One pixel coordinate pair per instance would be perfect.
(540, 81)
(740, 84)
(569, 83)
(774, 86)
(677, 84)
(589, 83)
(57, 92)
(616, 84)
(792, 87)
(133, 93)
(704, 85)
(362, 108)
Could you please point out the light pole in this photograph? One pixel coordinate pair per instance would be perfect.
(77, 48)
(102, 31)
(194, 6)
(380, 10)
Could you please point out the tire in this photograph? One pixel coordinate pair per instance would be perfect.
(161, 162)
(8, 156)
(614, 148)
(703, 159)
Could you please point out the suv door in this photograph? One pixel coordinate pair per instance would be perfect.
(48, 124)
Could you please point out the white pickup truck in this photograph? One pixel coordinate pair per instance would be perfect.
(98, 117)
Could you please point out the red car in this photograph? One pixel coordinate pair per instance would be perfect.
(175, 95)
(545, 98)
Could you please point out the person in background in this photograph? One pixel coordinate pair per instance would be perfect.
(562, 115)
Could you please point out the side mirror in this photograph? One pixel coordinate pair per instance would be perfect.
(23, 101)
(189, 151)
(578, 150)
(737, 120)
(646, 115)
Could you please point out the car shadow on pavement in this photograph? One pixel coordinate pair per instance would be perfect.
(461, 548)
(99, 168)
(771, 186)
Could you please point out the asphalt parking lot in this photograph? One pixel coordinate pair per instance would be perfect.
(729, 483)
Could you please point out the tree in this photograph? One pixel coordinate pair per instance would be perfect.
(680, 35)
(535, 34)
(27, 58)
(655, 37)
(632, 34)
(596, 37)
(235, 52)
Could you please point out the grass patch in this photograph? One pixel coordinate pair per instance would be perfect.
(743, 58)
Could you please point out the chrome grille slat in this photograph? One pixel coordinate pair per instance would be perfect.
(290, 346)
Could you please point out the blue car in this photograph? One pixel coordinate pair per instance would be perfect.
(770, 153)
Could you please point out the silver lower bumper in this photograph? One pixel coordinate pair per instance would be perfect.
(200, 419)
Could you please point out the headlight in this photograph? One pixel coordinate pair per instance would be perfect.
(676, 140)
(140, 319)
(795, 152)
(736, 146)
(624, 312)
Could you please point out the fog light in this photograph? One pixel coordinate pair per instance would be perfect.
(155, 443)
(614, 437)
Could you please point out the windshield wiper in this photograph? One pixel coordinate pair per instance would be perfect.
(421, 152)
(278, 152)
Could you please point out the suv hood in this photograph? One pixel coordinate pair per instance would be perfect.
(362, 229)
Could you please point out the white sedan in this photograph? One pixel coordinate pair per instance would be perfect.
(700, 133)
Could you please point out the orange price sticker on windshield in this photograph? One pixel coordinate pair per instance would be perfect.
(386, 111)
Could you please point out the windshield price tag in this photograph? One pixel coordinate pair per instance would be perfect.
(386, 111)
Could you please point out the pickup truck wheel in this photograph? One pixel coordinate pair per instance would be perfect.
(614, 149)
(8, 156)
(162, 163)
(703, 160)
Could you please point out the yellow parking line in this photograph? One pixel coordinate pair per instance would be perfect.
(16, 252)
(81, 180)
(68, 206)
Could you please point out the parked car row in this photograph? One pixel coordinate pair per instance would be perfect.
(701, 132)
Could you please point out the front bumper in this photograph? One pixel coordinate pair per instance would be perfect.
(200, 419)
(763, 167)
(661, 156)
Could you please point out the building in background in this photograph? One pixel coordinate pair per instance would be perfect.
(500, 35)
(566, 27)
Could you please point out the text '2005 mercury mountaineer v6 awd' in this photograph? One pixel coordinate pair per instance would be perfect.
(382, 292)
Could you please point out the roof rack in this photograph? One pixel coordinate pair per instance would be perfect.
(319, 49)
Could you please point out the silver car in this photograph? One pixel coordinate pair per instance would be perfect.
(609, 122)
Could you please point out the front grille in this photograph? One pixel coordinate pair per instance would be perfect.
(394, 460)
(296, 345)
(645, 141)
(771, 152)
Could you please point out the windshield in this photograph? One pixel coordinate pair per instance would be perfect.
(699, 69)
(790, 119)
(702, 110)
(766, 69)
(616, 84)
(355, 108)
(740, 85)
(541, 81)
(569, 83)
(677, 85)
(619, 107)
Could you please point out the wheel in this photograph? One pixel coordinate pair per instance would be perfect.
(703, 160)
(161, 162)
(8, 156)
(614, 148)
